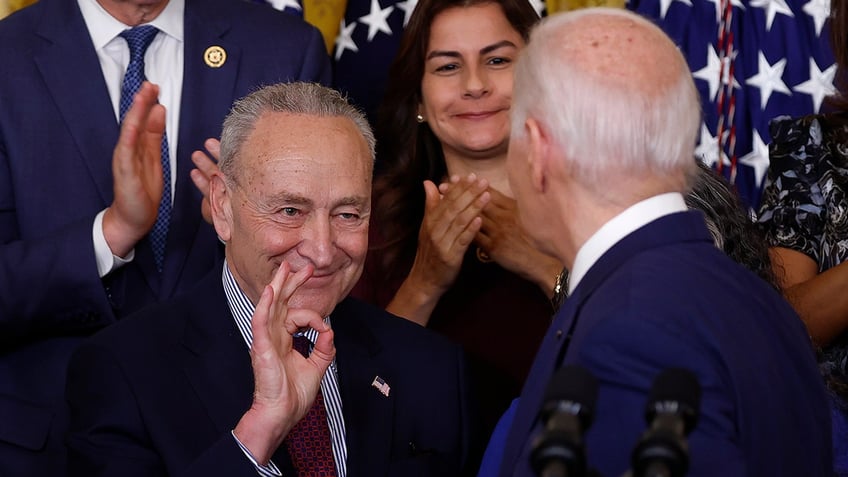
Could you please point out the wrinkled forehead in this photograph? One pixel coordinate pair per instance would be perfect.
(299, 147)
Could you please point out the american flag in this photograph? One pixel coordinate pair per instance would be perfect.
(752, 60)
(381, 385)
(368, 39)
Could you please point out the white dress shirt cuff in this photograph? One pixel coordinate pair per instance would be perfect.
(269, 470)
(106, 261)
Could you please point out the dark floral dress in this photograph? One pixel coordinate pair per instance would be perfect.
(805, 208)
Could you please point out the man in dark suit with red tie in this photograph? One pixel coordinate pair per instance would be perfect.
(212, 383)
(80, 245)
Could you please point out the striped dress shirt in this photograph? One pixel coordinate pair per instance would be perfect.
(242, 310)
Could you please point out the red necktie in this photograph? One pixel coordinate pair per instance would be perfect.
(309, 440)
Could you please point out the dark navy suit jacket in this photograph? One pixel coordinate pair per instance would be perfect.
(157, 394)
(663, 297)
(57, 131)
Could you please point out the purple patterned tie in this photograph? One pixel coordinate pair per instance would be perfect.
(309, 440)
(138, 39)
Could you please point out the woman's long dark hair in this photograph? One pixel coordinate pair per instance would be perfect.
(408, 152)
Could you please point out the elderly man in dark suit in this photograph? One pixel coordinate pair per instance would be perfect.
(170, 391)
(76, 248)
(605, 117)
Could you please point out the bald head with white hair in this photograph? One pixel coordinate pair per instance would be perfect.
(605, 114)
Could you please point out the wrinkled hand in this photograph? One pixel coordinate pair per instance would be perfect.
(136, 173)
(206, 165)
(286, 383)
(503, 239)
(451, 219)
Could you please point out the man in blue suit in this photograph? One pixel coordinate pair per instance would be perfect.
(67, 268)
(605, 117)
(209, 383)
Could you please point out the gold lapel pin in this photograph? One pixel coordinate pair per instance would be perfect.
(215, 56)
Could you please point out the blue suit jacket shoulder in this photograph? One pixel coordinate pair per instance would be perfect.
(666, 297)
(57, 132)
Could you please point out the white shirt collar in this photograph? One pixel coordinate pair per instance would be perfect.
(631, 219)
(103, 27)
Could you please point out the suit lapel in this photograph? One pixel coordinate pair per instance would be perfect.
(553, 345)
(217, 364)
(367, 412)
(71, 71)
(84, 103)
(206, 99)
(669, 229)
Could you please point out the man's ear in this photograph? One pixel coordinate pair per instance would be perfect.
(538, 154)
(220, 202)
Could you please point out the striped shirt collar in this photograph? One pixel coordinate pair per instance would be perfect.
(242, 309)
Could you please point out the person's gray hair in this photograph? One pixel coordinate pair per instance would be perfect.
(606, 121)
(730, 223)
(294, 98)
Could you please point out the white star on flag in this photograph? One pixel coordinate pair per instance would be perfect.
(283, 4)
(710, 72)
(819, 85)
(377, 19)
(768, 79)
(757, 159)
(708, 150)
(790, 55)
(772, 7)
(718, 10)
(796, 44)
(407, 6)
(715, 73)
(665, 4)
(345, 39)
(819, 10)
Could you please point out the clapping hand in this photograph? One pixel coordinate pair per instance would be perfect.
(451, 219)
(206, 165)
(136, 172)
(502, 238)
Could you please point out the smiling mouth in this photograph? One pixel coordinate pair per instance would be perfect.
(477, 114)
(320, 279)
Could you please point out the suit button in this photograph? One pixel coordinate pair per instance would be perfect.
(559, 334)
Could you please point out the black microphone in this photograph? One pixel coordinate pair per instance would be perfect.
(566, 414)
(672, 413)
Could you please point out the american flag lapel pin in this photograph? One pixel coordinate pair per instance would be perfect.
(381, 385)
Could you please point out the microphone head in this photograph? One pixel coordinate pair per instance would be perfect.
(572, 389)
(676, 391)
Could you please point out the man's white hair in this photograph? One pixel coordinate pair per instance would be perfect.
(614, 93)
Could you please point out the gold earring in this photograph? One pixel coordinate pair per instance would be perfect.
(419, 118)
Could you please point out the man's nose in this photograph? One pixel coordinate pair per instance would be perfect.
(318, 243)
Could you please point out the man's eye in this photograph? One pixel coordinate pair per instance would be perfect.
(290, 211)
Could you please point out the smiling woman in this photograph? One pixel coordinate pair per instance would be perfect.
(472, 125)
(450, 255)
